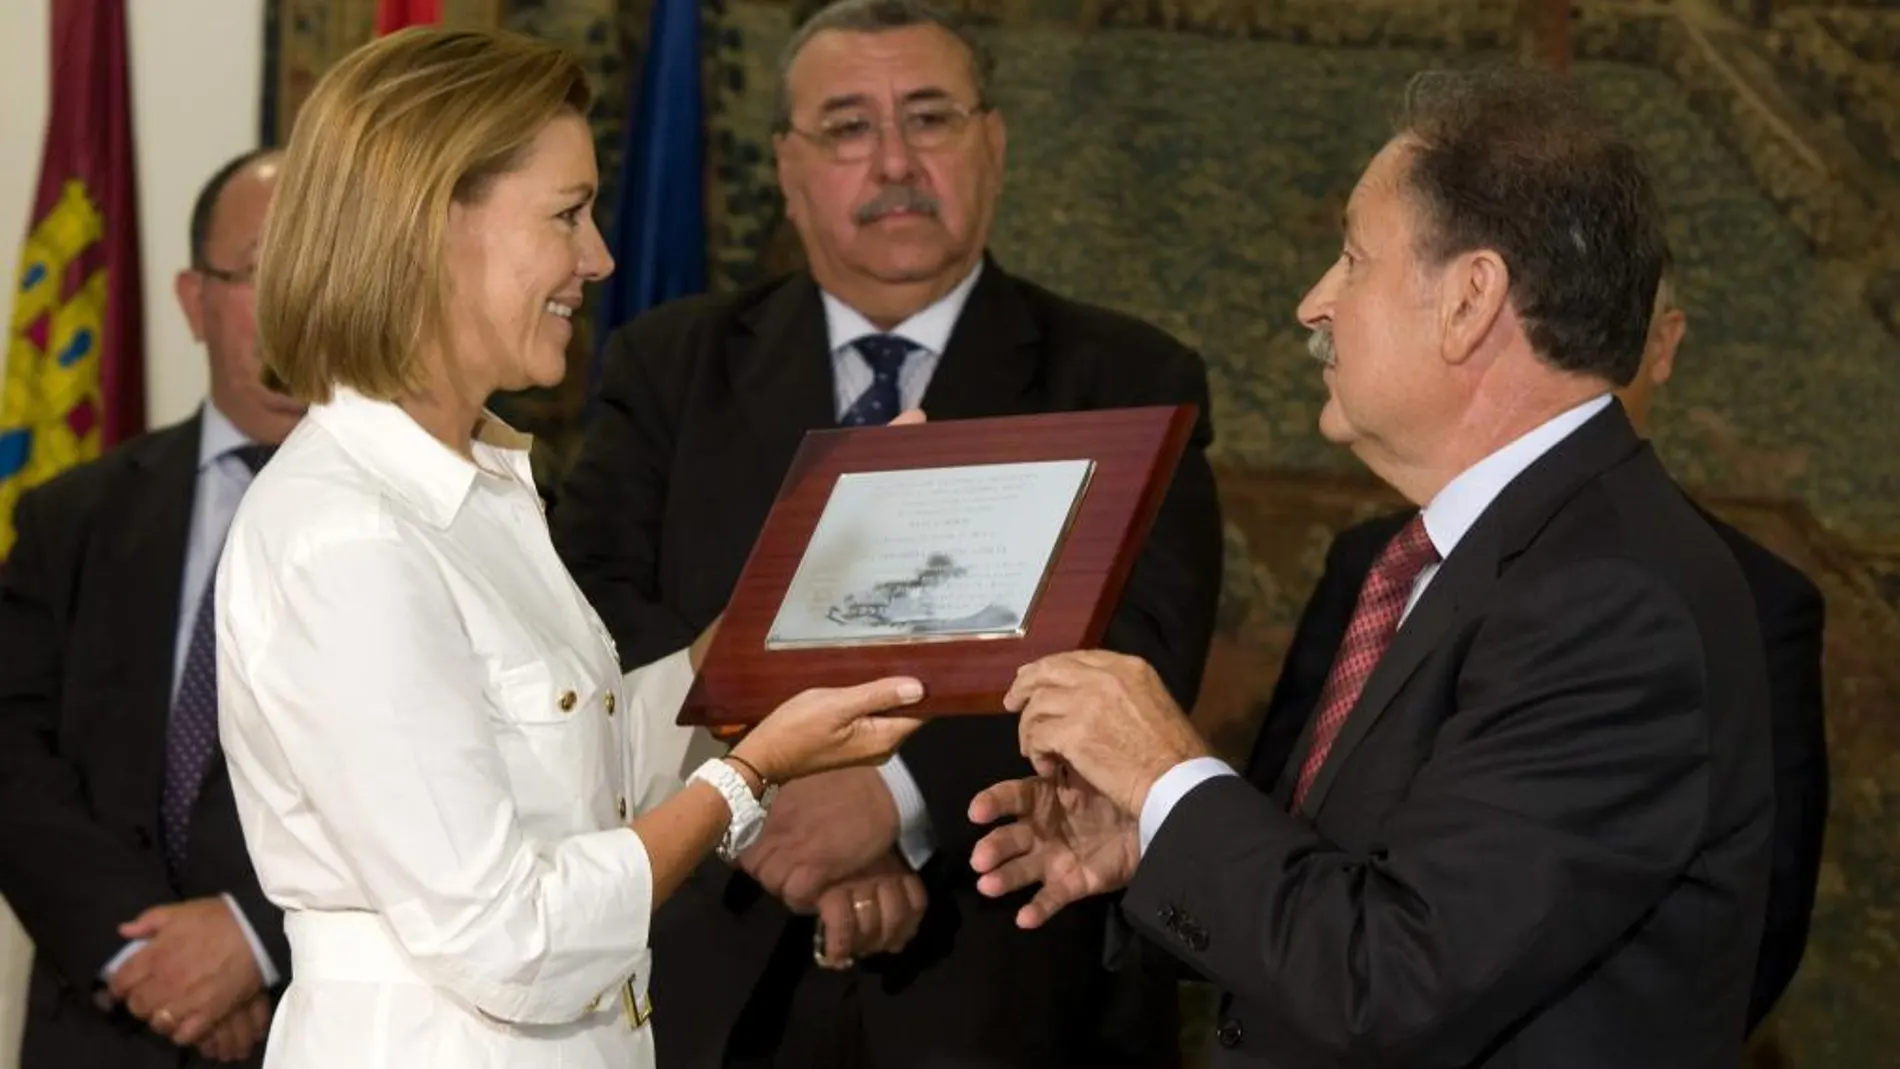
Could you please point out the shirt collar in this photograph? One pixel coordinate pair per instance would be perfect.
(1456, 507)
(929, 328)
(431, 477)
(217, 435)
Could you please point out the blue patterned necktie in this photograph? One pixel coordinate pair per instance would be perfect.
(881, 401)
(191, 735)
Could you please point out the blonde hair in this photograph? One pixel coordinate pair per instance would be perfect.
(350, 282)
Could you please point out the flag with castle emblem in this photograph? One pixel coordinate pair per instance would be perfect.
(75, 368)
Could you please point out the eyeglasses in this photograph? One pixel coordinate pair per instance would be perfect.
(242, 277)
(851, 138)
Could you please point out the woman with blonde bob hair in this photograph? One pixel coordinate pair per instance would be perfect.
(466, 810)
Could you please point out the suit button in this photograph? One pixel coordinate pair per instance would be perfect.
(1229, 1033)
(610, 703)
(622, 809)
(566, 701)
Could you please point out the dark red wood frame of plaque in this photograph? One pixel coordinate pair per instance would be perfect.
(1135, 451)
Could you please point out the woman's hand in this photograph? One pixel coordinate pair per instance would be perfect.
(823, 729)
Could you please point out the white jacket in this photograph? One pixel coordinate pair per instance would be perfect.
(435, 757)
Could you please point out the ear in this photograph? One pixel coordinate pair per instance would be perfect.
(189, 286)
(996, 132)
(1665, 334)
(1475, 293)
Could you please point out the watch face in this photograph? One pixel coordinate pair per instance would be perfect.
(746, 834)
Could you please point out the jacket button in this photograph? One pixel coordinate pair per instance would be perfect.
(610, 703)
(622, 809)
(566, 701)
(1229, 1033)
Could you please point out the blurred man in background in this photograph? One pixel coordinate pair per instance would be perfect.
(119, 842)
(891, 158)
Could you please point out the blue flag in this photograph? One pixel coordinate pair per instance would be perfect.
(658, 235)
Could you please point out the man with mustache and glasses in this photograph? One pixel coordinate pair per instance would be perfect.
(1529, 820)
(890, 157)
(1788, 608)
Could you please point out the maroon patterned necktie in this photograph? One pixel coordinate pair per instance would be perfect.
(1374, 621)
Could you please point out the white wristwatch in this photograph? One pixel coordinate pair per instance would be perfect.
(748, 813)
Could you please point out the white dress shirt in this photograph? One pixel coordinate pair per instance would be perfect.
(222, 480)
(435, 756)
(1449, 514)
(930, 330)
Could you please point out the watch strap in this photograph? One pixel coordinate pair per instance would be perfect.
(747, 814)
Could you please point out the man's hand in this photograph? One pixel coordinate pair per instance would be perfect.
(1066, 837)
(195, 968)
(821, 830)
(238, 1034)
(1105, 715)
(874, 912)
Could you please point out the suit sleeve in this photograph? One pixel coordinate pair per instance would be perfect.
(71, 880)
(1577, 762)
(1792, 630)
(606, 525)
(1166, 617)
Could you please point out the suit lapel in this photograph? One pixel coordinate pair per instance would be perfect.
(148, 565)
(1461, 579)
(991, 359)
(781, 362)
(781, 368)
(1511, 522)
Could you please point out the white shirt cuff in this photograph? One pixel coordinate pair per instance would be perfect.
(915, 840)
(124, 955)
(1173, 786)
(265, 968)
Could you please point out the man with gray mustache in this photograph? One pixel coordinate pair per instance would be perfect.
(1319, 345)
(897, 200)
(890, 156)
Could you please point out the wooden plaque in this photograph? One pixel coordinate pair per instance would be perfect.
(1130, 454)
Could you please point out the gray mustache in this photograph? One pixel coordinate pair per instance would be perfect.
(1319, 345)
(897, 199)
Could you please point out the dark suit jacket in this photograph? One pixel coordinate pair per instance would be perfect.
(89, 602)
(702, 405)
(1790, 612)
(1541, 837)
